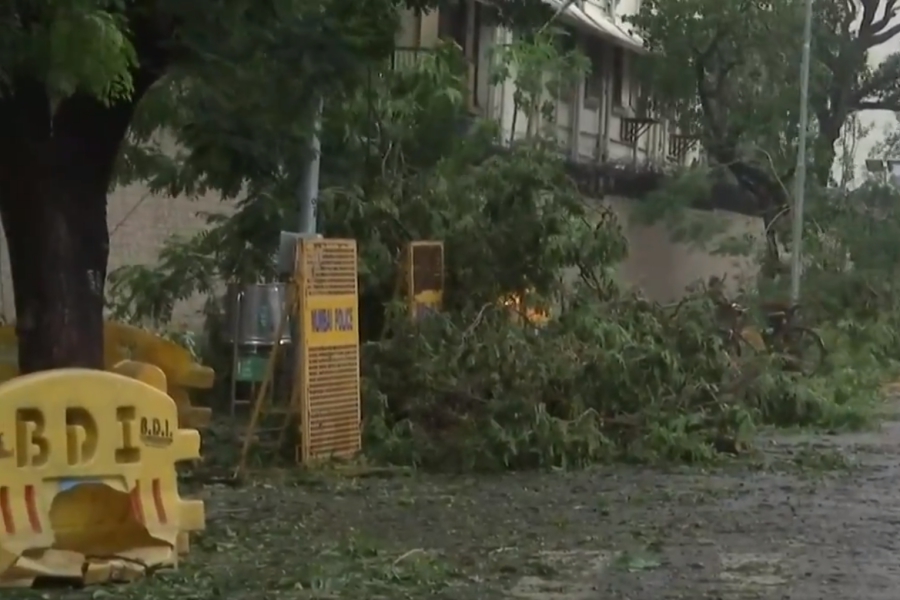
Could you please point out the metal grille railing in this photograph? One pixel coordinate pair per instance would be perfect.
(628, 131)
(679, 145)
(331, 265)
(330, 402)
(427, 266)
(408, 58)
(333, 411)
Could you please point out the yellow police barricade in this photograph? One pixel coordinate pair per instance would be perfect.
(87, 470)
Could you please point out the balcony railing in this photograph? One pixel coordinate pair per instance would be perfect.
(408, 58)
(679, 146)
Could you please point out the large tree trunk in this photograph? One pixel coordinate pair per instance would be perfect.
(56, 165)
(823, 149)
(55, 170)
(54, 216)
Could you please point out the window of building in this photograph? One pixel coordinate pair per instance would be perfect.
(618, 74)
(452, 23)
(593, 82)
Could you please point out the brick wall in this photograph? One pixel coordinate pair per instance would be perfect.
(139, 223)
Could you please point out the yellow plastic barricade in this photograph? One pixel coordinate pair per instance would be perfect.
(9, 353)
(123, 342)
(87, 473)
(182, 373)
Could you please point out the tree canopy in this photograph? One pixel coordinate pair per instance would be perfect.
(73, 75)
(728, 72)
(610, 374)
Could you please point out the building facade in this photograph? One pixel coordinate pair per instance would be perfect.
(606, 117)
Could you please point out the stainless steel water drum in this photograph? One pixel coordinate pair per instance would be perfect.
(253, 312)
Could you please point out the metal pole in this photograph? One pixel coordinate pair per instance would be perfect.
(308, 198)
(308, 195)
(800, 180)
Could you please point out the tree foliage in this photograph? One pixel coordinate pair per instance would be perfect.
(728, 72)
(228, 89)
(73, 77)
(610, 376)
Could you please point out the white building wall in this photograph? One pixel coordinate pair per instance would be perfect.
(622, 8)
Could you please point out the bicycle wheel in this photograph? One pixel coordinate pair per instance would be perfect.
(807, 350)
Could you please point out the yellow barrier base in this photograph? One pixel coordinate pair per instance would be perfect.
(88, 487)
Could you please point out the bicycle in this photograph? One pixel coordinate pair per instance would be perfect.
(798, 343)
(801, 347)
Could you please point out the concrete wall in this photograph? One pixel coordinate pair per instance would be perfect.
(663, 269)
(140, 222)
(660, 267)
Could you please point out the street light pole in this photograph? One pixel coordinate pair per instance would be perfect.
(308, 194)
(800, 175)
